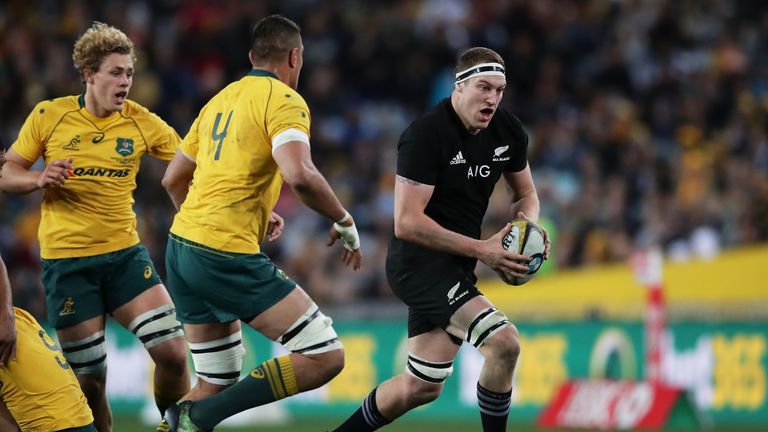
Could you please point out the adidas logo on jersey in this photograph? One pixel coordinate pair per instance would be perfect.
(458, 159)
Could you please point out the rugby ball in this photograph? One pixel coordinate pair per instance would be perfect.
(525, 238)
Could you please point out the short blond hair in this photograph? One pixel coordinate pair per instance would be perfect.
(99, 41)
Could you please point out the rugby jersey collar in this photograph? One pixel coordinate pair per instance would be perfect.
(262, 73)
(99, 122)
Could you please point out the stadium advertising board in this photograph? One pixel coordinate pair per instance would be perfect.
(722, 366)
(613, 404)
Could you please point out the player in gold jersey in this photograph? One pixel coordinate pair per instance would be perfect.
(38, 388)
(245, 141)
(93, 263)
(38, 391)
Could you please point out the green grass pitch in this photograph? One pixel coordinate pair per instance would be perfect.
(126, 424)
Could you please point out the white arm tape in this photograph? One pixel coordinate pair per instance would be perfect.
(287, 136)
(349, 236)
(191, 159)
(345, 218)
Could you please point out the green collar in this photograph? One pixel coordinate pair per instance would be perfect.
(262, 73)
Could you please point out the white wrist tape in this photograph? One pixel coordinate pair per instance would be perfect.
(349, 236)
(345, 218)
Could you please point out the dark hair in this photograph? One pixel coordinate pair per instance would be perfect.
(2, 159)
(273, 37)
(477, 55)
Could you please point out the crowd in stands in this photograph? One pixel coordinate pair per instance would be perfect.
(648, 118)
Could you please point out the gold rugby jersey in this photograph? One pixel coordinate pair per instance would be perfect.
(39, 387)
(237, 182)
(92, 213)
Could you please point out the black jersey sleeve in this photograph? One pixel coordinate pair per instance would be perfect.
(418, 153)
(512, 129)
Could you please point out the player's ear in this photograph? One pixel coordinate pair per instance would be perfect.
(87, 76)
(250, 56)
(293, 58)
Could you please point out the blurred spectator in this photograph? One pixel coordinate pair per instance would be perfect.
(647, 118)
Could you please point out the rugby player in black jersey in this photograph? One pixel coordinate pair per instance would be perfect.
(448, 163)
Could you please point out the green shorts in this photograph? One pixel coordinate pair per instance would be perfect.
(208, 285)
(78, 289)
(86, 428)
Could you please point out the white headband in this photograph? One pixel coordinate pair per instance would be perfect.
(481, 69)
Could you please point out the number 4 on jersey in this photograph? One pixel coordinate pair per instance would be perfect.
(216, 136)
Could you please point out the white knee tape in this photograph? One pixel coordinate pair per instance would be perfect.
(156, 326)
(88, 355)
(219, 361)
(312, 333)
(429, 371)
(486, 324)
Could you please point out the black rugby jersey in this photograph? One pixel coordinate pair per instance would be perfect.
(436, 149)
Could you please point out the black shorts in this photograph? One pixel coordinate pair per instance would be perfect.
(434, 287)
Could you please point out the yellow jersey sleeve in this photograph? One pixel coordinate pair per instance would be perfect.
(30, 143)
(191, 143)
(287, 110)
(162, 140)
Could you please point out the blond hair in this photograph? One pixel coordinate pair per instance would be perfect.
(98, 42)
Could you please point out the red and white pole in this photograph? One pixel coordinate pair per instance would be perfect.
(648, 269)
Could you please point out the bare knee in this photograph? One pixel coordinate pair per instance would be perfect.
(93, 385)
(335, 363)
(504, 346)
(170, 356)
(328, 364)
(418, 392)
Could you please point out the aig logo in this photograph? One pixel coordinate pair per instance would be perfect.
(478, 171)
